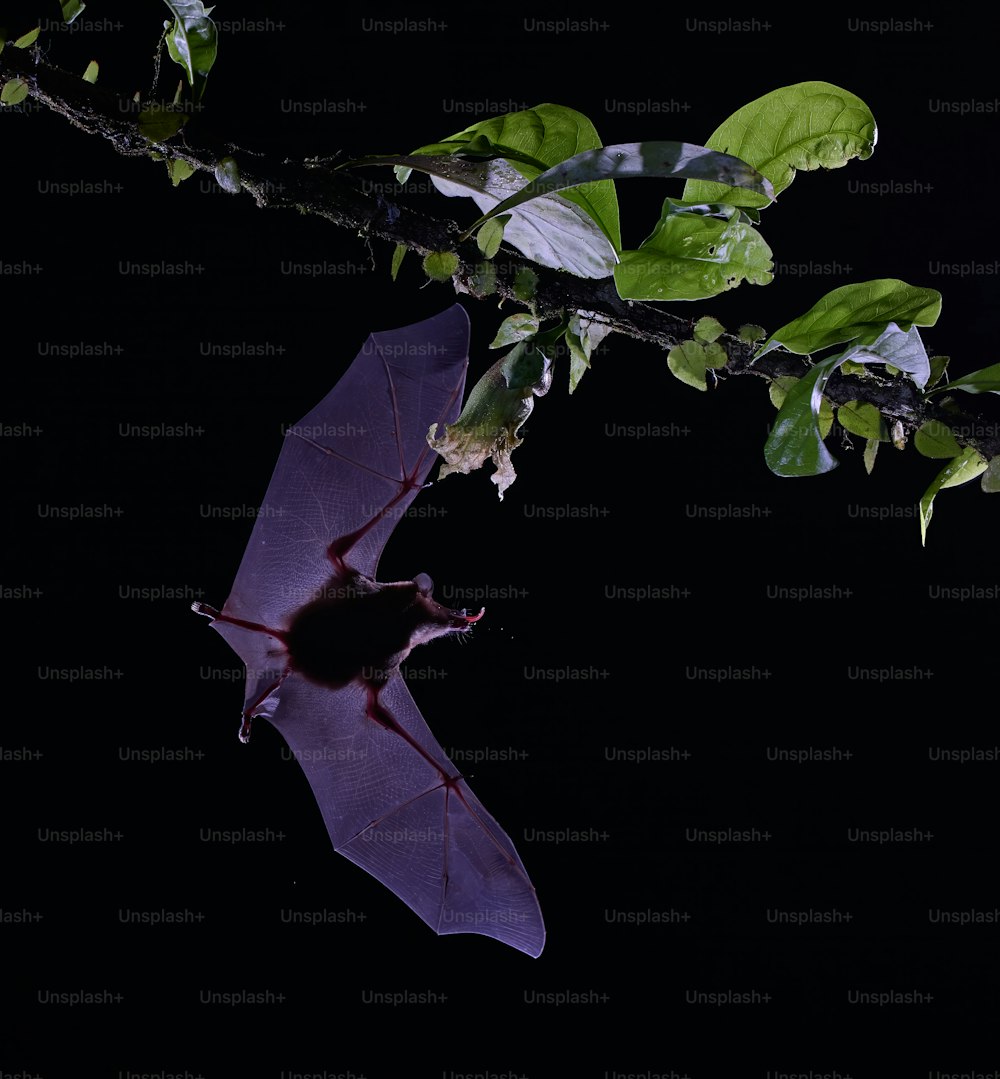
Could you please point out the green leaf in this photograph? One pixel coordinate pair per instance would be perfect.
(525, 284)
(579, 360)
(70, 9)
(90, 75)
(985, 381)
(795, 446)
(398, 254)
(715, 355)
(440, 265)
(708, 329)
(515, 328)
(160, 124)
(934, 439)
(991, 477)
(227, 175)
(179, 170)
(496, 408)
(808, 125)
(860, 311)
(963, 468)
(688, 362)
(778, 389)
(192, 42)
(490, 235)
(750, 333)
(14, 92)
(694, 252)
(637, 159)
(3, 38)
(871, 452)
(585, 331)
(938, 365)
(27, 39)
(863, 419)
(537, 139)
(550, 230)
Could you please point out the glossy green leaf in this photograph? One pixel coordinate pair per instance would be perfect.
(192, 42)
(991, 477)
(440, 265)
(708, 329)
(871, 452)
(27, 39)
(934, 439)
(795, 446)
(809, 125)
(70, 9)
(857, 312)
(14, 92)
(534, 141)
(91, 73)
(985, 381)
(491, 235)
(863, 419)
(398, 254)
(160, 124)
(638, 159)
(961, 469)
(694, 252)
(551, 230)
(515, 328)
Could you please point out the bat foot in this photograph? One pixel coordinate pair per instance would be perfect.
(203, 609)
(245, 729)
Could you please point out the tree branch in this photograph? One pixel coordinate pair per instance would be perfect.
(315, 186)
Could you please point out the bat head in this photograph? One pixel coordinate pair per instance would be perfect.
(431, 619)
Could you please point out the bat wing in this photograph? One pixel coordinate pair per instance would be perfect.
(360, 453)
(359, 457)
(350, 468)
(413, 825)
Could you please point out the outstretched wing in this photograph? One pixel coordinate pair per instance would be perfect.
(359, 456)
(414, 825)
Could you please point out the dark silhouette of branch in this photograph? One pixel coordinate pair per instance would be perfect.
(315, 186)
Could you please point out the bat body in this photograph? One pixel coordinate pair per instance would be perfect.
(323, 639)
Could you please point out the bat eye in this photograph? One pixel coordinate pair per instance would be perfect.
(425, 586)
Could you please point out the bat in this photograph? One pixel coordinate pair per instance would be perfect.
(323, 639)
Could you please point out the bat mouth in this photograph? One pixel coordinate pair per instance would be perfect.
(462, 620)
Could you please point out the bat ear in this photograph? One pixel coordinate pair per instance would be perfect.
(425, 586)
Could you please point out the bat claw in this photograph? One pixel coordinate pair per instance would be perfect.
(245, 729)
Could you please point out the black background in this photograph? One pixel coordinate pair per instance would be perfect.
(646, 512)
